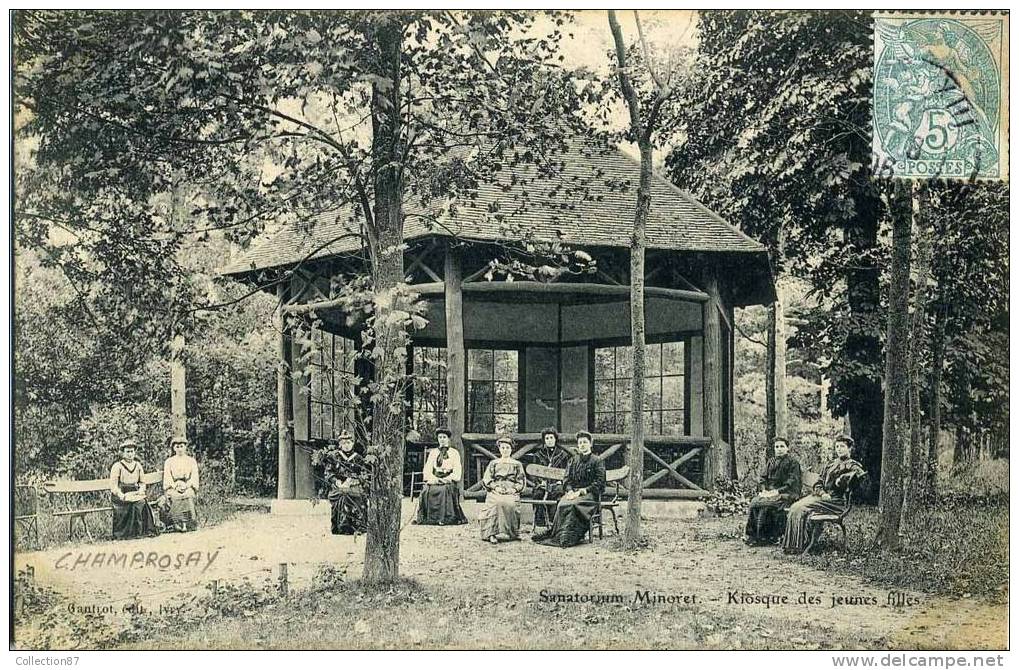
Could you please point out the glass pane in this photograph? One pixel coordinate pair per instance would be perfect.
(653, 367)
(672, 358)
(479, 397)
(479, 362)
(506, 397)
(652, 394)
(604, 363)
(624, 422)
(672, 423)
(327, 422)
(505, 423)
(672, 393)
(481, 423)
(605, 422)
(505, 365)
(604, 400)
(624, 362)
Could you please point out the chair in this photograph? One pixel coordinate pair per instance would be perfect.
(417, 484)
(816, 522)
(613, 478)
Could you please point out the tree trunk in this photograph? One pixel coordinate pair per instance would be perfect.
(862, 393)
(895, 427)
(284, 401)
(638, 247)
(456, 359)
(178, 389)
(382, 543)
(777, 423)
(917, 494)
(937, 363)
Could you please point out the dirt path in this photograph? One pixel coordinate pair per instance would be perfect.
(717, 577)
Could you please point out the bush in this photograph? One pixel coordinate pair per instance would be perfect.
(730, 497)
(100, 435)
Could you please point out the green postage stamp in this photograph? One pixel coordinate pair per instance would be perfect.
(940, 95)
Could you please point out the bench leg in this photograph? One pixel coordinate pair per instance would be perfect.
(815, 534)
(845, 540)
(615, 520)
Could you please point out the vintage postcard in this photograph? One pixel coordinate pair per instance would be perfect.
(511, 330)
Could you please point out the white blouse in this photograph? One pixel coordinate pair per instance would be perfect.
(450, 463)
(180, 467)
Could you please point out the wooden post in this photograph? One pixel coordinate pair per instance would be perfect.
(178, 386)
(714, 459)
(284, 402)
(284, 584)
(775, 375)
(456, 370)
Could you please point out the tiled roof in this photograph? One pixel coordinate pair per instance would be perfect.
(590, 203)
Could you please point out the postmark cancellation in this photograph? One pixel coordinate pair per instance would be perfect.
(940, 95)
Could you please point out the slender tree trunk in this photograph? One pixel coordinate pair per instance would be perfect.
(917, 492)
(896, 416)
(382, 544)
(638, 247)
(937, 363)
(777, 413)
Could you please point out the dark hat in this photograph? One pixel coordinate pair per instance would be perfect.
(442, 430)
(128, 444)
(584, 433)
(550, 431)
(505, 438)
(174, 441)
(845, 439)
(346, 435)
(780, 439)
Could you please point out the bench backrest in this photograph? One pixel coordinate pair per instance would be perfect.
(618, 475)
(545, 472)
(94, 485)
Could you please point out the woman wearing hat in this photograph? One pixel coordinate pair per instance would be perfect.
(180, 486)
(131, 514)
(552, 455)
(829, 497)
(439, 504)
(503, 480)
(584, 484)
(347, 473)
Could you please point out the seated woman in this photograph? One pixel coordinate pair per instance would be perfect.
(439, 504)
(829, 496)
(780, 487)
(347, 474)
(552, 455)
(584, 484)
(131, 514)
(504, 480)
(180, 486)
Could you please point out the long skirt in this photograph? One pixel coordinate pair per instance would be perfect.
(350, 511)
(571, 523)
(132, 519)
(439, 505)
(796, 537)
(500, 517)
(766, 519)
(180, 510)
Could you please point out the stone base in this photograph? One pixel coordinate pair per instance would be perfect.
(300, 508)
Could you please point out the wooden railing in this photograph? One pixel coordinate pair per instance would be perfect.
(665, 459)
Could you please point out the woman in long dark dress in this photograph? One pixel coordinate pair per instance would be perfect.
(346, 473)
(132, 516)
(829, 497)
(503, 481)
(439, 504)
(780, 486)
(584, 484)
(550, 454)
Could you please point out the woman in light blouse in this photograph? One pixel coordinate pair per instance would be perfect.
(503, 480)
(180, 486)
(439, 504)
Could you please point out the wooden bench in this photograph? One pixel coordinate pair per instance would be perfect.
(613, 478)
(79, 513)
(817, 522)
